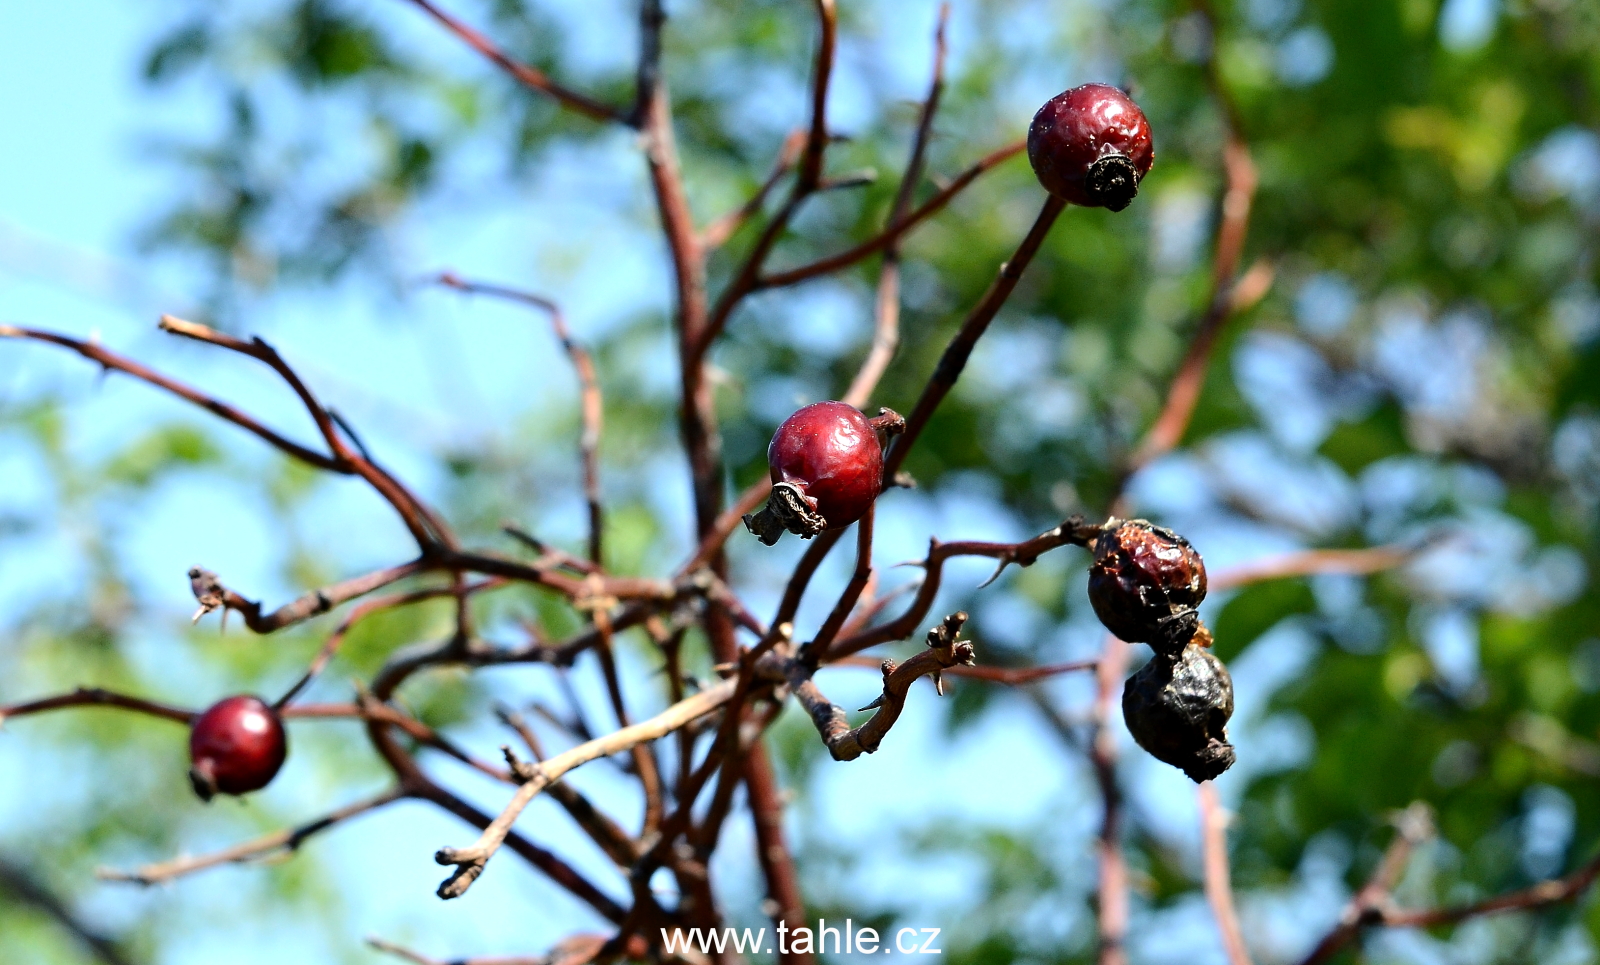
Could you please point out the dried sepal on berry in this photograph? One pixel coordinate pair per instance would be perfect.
(1177, 707)
(1145, 584)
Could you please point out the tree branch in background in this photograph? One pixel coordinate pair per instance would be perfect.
(1312, 562)
(593, 407)
(808, 176)
(717, 233)
(530, 77)
(20, 884)
(1219, 883)
(1414, 826)
(1102, 746)
(886, 309)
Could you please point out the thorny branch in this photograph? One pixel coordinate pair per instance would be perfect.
(846, 743)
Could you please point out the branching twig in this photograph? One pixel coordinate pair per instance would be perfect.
(945, 650)
(470, 861)
(896, 230)
(1414, 826)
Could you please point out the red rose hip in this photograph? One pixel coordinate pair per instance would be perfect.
(827, 467)
(1091, 146)
(236, 747)
(1145, 584)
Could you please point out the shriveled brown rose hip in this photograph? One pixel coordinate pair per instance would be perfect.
(1177, 708)
(1145, 583)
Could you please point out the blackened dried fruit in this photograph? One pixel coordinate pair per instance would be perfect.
(1145, 584)
(1091, 146)
(237, 746)
(827, 468)
(1177, 708)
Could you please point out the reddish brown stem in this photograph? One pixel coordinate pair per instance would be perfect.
(530, 77)
(897, 230)
(960, 348)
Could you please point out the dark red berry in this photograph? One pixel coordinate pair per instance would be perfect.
(236, 747)
(1091, 146)
(1177, 707)
(827, 468)
(1145, 583)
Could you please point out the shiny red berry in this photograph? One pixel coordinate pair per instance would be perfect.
(236, 747)
(1091, 146)
(827, 467)
(1145, 584)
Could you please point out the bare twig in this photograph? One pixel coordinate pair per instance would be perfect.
(1075, 531)
(817, 651)
(211, 595)
(1113, 911)
(589, 384)
(278, 843)
(113, 362)
(606, 833)
(1219, 884)
(1009, 676)
(530, 77)
(97, 697)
